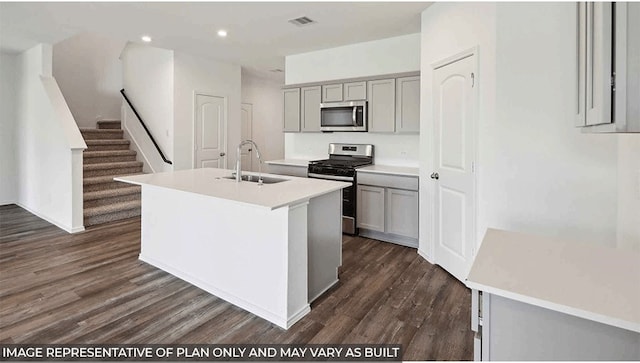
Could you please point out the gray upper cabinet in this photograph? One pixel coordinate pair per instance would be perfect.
(332, 92)
(291, 111)
(355, 91)
(608, 39)
(408, 104)
(382, 102)
(310, 113)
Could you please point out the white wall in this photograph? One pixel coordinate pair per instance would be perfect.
(89, 72)
(385, 56)
(48, 144)
(148, 80)
(8, 101)
(195, 74)
(536, 172)
(629, 191)
(265, 96)
(398, 150)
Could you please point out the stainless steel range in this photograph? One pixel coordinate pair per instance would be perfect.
(341, 165)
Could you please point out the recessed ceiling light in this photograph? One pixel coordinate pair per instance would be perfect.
(222, 33)
(146, 38)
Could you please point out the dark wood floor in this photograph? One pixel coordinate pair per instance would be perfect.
(91, 288)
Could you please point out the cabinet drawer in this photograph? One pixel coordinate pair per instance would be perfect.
(386, 180)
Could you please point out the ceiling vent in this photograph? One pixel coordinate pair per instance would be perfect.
(301, 21)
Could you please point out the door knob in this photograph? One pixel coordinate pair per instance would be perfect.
(435, 176)
(223, 154)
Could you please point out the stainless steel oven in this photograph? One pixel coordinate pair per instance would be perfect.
(343, 116)
(341, 165)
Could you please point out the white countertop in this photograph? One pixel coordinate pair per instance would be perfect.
(392, 170)
(209, 181)
(289, 162)
(580, 279)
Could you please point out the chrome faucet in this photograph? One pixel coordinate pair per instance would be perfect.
(239, 160)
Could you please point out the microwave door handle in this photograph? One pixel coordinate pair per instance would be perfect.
(353, 115)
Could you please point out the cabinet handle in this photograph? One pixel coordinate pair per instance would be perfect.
(435, 176)
(223, 154)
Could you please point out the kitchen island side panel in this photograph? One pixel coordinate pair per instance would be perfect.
(235, 251)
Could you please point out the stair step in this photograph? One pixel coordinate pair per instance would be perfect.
(111, 212)
(108, 193)
(115, 169)
(110, 197)
(108, 156)
(109, 124)
(92, 184)
(97, 134)
(105, 145)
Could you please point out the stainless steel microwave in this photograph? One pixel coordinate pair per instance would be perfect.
(343, 116)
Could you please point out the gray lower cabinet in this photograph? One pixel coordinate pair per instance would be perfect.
(382, 105)
(291, 110)
(387, 208)
(370, 207)
(408, 104)
(310, 112)
(510, 330)
(402, 212)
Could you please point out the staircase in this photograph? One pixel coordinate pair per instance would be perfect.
(106, 157)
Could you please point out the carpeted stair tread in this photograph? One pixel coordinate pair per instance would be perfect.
(93, 134)
(108, 156)
(112, 208)
(104, 179)
(113, 165)
(109, 124)
(107, 142)
(108, 193)
(106, 153)
(111, 217)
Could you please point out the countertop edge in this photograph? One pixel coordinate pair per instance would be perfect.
(580, 313)
(300, 163)
(365, 169)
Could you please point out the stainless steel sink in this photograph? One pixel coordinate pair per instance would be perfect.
(254, 179)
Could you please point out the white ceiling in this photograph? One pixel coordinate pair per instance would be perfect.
(259, 32)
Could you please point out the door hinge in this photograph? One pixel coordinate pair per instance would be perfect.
(473, 167)
(473, 80)
(613, 81)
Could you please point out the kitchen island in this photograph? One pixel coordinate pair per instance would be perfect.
(270, 249)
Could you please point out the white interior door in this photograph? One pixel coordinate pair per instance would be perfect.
(210, 132)
(246, 122)
(454, 100)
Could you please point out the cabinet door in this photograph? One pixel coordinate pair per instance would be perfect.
(332, 92)
(408, 104)
(291, 111)
(382, 101)
(402, 212)
(310, 113)
(370, 208)
(595, 45)
(355, 91)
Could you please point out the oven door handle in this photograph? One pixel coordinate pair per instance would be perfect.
(330, 177)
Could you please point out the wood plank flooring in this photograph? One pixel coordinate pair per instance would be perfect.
(90, 288)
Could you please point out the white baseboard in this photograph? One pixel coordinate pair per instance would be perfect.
(426, 256)
(68, 229)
